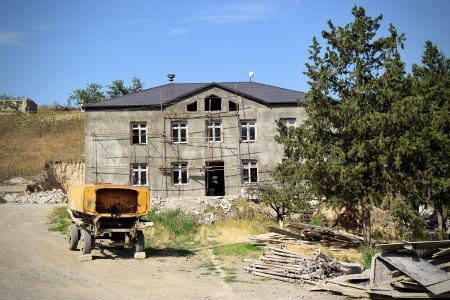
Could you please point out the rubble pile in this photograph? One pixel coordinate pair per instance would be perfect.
(45, 197)
(203, 207)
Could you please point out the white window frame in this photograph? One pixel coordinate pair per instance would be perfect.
(178, 170)
(247, 126)
(139, 129)
(211, 127)
(248, 168)
(291, 124)
(178, 127)
(139, 174)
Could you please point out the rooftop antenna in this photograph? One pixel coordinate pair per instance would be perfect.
(251, 74)
(171, 76)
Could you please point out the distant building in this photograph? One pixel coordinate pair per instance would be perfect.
(189, 139)
(23, 105)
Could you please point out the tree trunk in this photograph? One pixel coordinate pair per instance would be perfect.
(440, 216)
(365, 216)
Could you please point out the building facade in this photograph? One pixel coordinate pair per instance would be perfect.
(189, 139)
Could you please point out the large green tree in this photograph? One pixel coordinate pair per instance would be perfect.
(91, 94)
(94, 92)
(430, 84)
(353, 83)
(118, 88)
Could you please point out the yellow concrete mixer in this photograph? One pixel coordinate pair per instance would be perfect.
(107, 212)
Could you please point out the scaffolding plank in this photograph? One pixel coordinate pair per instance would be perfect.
(433, 279)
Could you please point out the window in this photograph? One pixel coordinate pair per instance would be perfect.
(290, 124)
(213, 103)
(139, 174)
(139, 133)
(248, 131)
(179, 132)
(192, 106)
(179, 173)
(233, 106)
(213, 131)
(249, 171)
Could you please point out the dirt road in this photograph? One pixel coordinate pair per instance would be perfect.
(36, 264)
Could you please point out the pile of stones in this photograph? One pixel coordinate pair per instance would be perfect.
(54, 196)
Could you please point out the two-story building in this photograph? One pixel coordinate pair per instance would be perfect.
(189, 139)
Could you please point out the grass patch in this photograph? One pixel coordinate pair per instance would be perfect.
(50, 135)
(209, 265)
(367, 253)
(230, 279)
(230, 276)
(59, 219)
(242, 250)
(172, 229)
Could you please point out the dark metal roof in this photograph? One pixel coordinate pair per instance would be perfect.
(173, 92)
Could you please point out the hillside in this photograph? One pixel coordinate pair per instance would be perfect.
(29, 141)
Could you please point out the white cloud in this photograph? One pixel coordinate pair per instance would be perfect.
(10, 37)
(176, 31)
(237, 12)
(47, 27)
(133, 22)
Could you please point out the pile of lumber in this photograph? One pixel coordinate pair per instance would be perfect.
(309, 234)
(326, 235)
(287, 266)
(266, 239)
(409, 270)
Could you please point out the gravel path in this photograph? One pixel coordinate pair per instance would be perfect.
(36, 264)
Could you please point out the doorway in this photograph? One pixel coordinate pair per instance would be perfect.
(215, 178)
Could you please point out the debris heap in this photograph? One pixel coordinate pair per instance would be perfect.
(407, 270)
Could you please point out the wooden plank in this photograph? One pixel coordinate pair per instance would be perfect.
(409, 286)
(439, 260)
(347, 284)
(353, 277)
(418, 295)
(442, 253)
(286, 233)
(430, 244)
(332, 287)
(390, 247)
(444, 265)
(432, 278)
(381, 271)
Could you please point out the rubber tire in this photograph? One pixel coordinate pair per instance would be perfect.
(118, 237)
(86, 242)
(73, 236)
(139, 243)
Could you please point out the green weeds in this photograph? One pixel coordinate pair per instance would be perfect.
(59, 219)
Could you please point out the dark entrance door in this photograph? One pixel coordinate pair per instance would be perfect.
(215, 178)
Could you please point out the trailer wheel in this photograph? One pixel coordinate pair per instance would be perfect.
(118, 237)
(86, 241)
(73, 236)
(139, 244)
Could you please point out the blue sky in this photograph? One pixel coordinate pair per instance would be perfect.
(49, 48)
